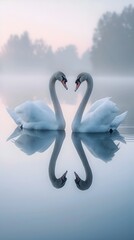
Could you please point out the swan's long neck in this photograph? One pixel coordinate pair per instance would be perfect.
(79, 113)
(60, 135)
(85, 184)
(58, 112)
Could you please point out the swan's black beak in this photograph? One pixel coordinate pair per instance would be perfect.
(64, 81)
(78, 83)
(77, 180)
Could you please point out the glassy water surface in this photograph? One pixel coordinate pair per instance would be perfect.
(59, 185)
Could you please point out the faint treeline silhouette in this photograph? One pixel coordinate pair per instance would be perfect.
(21, 54)
(113, 43)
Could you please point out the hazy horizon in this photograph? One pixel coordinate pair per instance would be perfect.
(63, 184)
(58, 23)
(70, 23)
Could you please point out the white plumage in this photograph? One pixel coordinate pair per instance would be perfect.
(37, 115)
(103, 115)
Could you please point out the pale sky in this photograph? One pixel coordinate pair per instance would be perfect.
(57, 22)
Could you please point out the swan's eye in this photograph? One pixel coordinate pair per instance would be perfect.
(78, 83)
(64, 79)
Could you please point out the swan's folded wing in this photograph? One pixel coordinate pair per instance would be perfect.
(43, 106)
(34, 111)
(14, 116)
(98, 103)
(118, 120)
(100, 119)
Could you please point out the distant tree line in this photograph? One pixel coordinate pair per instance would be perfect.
(113, 43)
(112, 50)
(21, 54)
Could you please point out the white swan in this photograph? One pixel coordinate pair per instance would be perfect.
(37, 115)
(103, 114)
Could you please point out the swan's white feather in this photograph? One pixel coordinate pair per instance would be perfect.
(102, 117)
(34, 115)
(37, 115)
(14, 116)
(96, 104)
(118, 120)
(34, 111)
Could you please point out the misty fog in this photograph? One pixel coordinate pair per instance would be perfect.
(112, 51)
(58, 184)
(18, 88)
(26, 65)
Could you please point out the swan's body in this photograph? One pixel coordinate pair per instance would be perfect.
(103, 114)
(37, 115)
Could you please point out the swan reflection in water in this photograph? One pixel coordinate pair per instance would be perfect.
(82, 184)
(32, 141)
(101, 145)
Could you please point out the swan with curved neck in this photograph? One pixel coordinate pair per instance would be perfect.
(37, 115)
(103, 114)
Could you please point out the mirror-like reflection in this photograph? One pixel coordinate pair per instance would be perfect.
(57, 182)
(128, 133)
(31, 141)
(101, 145)
(82, 184)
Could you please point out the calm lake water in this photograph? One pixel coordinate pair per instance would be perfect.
(59, 185)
